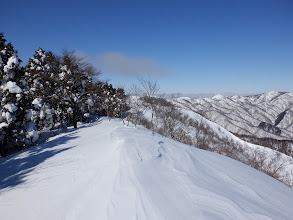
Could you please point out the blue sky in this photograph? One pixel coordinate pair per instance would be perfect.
(238, 46)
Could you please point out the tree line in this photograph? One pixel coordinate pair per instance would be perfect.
(49, 92)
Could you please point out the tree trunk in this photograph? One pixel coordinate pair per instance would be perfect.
(121, 112)
(3, 147)
(74, 122)
(74, 119)
(137, 118)
(129, 118)
(69, 119)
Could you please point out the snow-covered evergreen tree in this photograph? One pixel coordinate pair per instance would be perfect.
(16, 129)
(75, 87)
(35, 70)
(110, 100)
(40, 77)
(121, 102)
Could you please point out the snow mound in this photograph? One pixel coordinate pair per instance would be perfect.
(111, 171)
(218, 97)
(272, 94)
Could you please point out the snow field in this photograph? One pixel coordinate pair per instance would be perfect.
(111, 171)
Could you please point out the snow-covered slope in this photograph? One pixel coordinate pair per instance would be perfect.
(111, 171)
(265, 115)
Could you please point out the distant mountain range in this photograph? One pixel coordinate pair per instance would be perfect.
(200, 95)
(267, 115)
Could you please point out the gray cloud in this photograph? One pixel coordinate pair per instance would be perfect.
(131, 66)
(120, 63)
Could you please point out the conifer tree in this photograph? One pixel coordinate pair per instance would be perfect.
(121, 103)
(75, 86)
(16, 129)
(40, 77)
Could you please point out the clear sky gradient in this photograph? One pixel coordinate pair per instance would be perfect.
(219, 46)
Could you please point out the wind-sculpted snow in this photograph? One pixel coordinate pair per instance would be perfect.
(111, 171)
(244, 114)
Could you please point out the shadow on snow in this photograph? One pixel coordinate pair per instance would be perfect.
(14, 168)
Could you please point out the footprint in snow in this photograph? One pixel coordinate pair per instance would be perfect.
(161, 143)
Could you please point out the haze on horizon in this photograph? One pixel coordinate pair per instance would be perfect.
(190, 47)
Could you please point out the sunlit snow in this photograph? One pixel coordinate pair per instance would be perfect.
(110, 171)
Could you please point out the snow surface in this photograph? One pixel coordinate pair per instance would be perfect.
(111, 171)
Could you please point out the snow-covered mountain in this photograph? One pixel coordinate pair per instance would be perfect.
(265, 115)
(111, 171)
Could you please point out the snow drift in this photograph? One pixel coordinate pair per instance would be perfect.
(111, 171)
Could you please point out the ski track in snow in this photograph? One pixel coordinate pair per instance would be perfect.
(111, 171)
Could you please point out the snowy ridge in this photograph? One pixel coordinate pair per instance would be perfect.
(189, 127)
(111, 171)
(244, 114)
